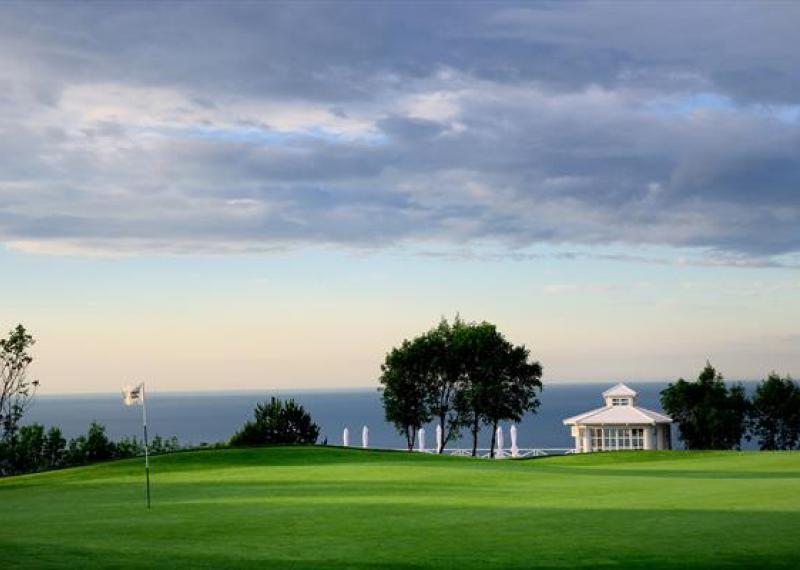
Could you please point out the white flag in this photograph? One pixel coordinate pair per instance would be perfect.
(133, 395)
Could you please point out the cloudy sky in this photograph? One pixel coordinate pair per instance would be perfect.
(261, 195)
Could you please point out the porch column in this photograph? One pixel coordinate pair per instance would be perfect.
(649, 433)
(587, 439)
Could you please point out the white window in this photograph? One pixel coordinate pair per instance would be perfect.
(620, 401)
(616, 438)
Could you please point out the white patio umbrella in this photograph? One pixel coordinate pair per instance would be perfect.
(421, 439)
(514, 448)
(365, 437)
(500, 453)
(438, 438)
(346, 437)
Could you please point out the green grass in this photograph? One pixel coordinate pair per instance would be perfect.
(329, 508)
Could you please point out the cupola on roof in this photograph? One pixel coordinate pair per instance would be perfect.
(620, 390)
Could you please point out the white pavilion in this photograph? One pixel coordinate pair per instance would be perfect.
(620, 424)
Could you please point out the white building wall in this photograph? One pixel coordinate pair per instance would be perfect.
(665, 436)
(662, 437)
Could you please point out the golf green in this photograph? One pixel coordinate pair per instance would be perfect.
(333, 508)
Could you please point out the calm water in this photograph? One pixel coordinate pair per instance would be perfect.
(213, 417)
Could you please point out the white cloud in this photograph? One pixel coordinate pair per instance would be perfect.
(583, 288)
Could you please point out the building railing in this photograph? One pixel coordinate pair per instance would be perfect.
(500, 452)
(485, 452)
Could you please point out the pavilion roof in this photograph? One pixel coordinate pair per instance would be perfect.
(619, 415)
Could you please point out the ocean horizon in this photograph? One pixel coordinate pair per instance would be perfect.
(197, 418)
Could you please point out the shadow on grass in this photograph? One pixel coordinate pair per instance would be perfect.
(453, 519)
(403, 537)
(675, 473)
(25, 560)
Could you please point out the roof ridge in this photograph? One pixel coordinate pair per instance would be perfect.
(649, 411)
(639, 411)
(584, 415)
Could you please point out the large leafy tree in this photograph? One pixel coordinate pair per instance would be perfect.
(445, 354)
(501, 382)
(775, 413)
(478, 345)
(430, 370)
(278, 422)
(463, 375)
(16, 388)
(710, 414)
(405, 380)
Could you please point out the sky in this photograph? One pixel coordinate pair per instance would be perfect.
(214, 196)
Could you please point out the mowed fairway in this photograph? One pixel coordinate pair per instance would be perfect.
(330, 508)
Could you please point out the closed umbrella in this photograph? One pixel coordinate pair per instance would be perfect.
(514, 448)
(438, 438)
(365, 437)
(422, 439)
(500, 451)
(346, 437)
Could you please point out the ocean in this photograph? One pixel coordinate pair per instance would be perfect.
(210, 417)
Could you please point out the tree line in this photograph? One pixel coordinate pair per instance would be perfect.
(463, 375)
(33, 449)
(714, 415)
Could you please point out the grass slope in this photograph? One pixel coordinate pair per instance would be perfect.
(329, 508)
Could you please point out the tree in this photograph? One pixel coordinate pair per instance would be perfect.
(515, 389)
(160, 445)
(462, 374)
(75, 454)
(710, 414)
(278, 422)
(501, 383)
(24, 452)
(55, 448)
(29, 449)
(445, 378)
(775, 413)
(129, 447)
(476, 347)
(405, 379)
(94, 446)
(97, 446)
(16, 389)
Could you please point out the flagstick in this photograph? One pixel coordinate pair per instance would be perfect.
(146, 453)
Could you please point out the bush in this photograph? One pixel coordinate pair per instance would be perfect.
(278, 422)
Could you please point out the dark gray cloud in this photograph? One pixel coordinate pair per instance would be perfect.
(217, 127)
